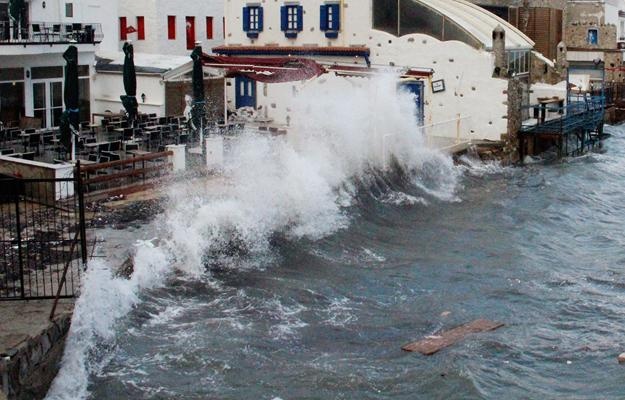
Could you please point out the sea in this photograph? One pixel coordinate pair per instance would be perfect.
(319, 255)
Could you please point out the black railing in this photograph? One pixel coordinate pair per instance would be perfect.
(49, 33)
(42, 238)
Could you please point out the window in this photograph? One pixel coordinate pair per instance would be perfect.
(190, 27)
(292, 20)
(253, 20)
(140, 28)
(171, 27)
(519, 61)
(330, 21)
(403, 17)
(209, 27)
(69, 10)
(123, 28)
(593, 36)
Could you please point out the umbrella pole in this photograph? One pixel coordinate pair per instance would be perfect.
(73, 155)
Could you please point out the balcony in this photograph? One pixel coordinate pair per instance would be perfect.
(38, 33)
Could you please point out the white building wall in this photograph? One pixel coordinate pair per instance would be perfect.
(84, 11)
(156, 12)
(471, 91)
(107, 87)
(28, 61)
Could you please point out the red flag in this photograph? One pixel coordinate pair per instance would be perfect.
(131, 29)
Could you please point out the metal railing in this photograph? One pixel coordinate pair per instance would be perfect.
(117, 175)
(49, 33)
(582, 111)
(42, 239)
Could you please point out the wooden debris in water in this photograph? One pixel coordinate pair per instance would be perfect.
(433, 344)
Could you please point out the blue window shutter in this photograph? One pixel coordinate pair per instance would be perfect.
(323, 19)
(283, 18)
(336, 14)
(246, 19)
(300, 18)
(260, 19)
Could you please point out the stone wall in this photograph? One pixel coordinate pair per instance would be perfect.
(543, 72)
(30, 367)
(213, 90)
(576, 36)
(515, 101)
(613, 60)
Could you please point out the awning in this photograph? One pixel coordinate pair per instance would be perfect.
(266, 70)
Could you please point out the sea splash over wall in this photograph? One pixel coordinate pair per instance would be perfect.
(345, 133)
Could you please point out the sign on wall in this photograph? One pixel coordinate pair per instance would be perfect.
(438, 86)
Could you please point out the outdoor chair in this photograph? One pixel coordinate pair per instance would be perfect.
(88, 34)
(69, 32)
(29, 156)
(103, 147)
(115, 146)
(154, 139)
(92, 157)
(128, 134)
(37, 31)
(131, 147)
(56, 31)
(34, 140)
(5, 152)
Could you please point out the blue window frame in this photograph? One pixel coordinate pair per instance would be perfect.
(593, 36)
(252, 20)
(292, 20)
(330, 21)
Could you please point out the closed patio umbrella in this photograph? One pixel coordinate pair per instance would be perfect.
(70, 119)
(129, 100)
(198, 111)
(17, 9)
(17, 12)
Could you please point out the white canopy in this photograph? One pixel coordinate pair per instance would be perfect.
(479, 22)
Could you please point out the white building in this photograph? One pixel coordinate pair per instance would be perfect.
(170, 27)
(163, 34)
(31, 62)
(452, 37)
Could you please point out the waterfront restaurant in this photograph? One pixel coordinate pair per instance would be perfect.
(31, 63)
(466, 95)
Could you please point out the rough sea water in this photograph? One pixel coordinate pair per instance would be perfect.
(320, 257)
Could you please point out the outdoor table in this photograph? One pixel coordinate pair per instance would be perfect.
(540, 111)
(95, 144)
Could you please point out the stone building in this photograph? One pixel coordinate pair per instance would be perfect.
(593, 30)
(540, 20)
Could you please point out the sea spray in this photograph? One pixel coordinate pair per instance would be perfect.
(104, 299)
(343, 131)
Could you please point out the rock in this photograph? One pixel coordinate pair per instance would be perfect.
(445, 313)
(621, 358)
(126, 269)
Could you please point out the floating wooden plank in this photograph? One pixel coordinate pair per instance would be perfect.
(432, 344)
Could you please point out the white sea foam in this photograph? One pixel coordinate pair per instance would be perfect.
(298, 185)
(104, 299)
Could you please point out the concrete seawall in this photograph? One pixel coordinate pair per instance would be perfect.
(31, 347)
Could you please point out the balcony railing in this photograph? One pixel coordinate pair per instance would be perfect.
(49, 33)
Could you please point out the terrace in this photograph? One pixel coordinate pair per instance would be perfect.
(112, 153)
(37, 33)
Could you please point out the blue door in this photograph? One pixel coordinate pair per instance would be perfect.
(245, 92)
(416, 89)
